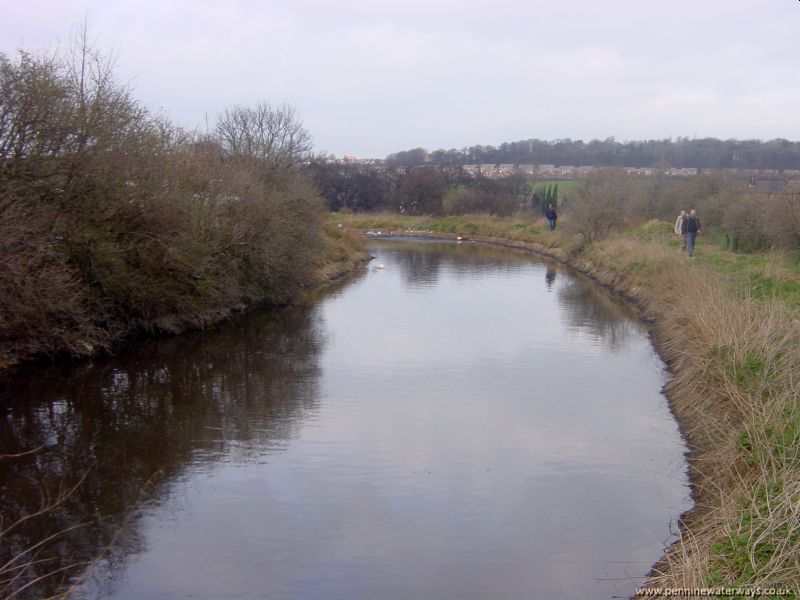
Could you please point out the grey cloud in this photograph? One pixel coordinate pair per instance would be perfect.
(369, 78)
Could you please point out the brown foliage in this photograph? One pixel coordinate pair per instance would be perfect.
(461, 200)
(611, 201)
(607, 203)
(420, 192)
(782, 222)
(113, 220)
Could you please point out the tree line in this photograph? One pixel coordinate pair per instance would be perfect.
(417, 190)
(710, 153)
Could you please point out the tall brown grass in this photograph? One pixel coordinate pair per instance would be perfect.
(735, 391)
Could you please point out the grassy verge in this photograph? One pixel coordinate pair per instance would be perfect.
(727, 325)
(761, 276)
(484, 226)
(342, 250)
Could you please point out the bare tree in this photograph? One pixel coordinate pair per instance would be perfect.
(604, 204)
(272, 135)
(420, 191)
(782, 221)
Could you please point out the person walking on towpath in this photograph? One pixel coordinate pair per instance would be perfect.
(551, 216)
(691, 229)
(679, 227)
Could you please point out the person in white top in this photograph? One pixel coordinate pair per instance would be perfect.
(679, 227)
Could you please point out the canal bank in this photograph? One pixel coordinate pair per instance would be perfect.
(338, 254)
(733, 356)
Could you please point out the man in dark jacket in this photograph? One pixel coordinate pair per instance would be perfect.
(551, 216)
(691, 229)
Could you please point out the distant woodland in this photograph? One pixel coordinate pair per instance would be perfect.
(705, 153)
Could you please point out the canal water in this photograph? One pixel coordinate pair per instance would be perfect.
(464, 422)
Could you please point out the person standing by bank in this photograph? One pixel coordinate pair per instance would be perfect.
(691, 229)
(551, 216)
(679, 227)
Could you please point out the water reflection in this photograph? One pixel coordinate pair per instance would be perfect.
(423, 267)
(142, 417)
(595, 312)
(549, 276)
(443, 427)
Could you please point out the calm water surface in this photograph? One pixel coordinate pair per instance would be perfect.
(464, 423)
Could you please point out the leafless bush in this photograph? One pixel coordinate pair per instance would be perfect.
(605, 204)
(782, 222)
(744, 225)
(44, 304)
(461, 200)
(420, 192)
(112, 219)
(664, 198)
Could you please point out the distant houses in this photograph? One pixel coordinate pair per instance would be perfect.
(640, 171)
(684, 172)
(553, 171)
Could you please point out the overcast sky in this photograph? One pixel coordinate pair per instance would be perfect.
(369, 77)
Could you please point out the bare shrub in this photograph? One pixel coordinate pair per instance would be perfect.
(782, 222)
(664, 198)
(743, 223)
(605, 204)
(113, 219)
(44, 305)
(420, 192)
(461, 200)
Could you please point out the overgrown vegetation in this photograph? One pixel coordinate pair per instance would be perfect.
(112, 220)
